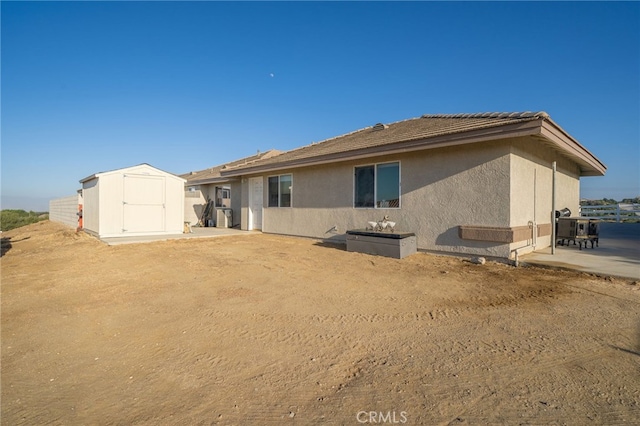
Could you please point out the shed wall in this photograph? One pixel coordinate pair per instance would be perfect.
(91, 206)
(111, 198)
(174, 205)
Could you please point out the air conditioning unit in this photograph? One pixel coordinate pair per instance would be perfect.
(224, 218)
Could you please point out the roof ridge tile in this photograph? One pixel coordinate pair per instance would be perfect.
(524, 114)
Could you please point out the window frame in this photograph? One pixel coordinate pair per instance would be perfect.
(279, 191)
(375, 185)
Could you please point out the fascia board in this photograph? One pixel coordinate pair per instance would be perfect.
(210, 181)
(88, 178)
(567, 144)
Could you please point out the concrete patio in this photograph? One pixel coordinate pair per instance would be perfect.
(198, 232)
(618, 253)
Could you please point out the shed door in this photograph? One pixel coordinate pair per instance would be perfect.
(143, 203)
(256, 199)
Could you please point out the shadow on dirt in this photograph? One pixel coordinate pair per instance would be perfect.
(6, 244)
(633, 351)
(331, 245)
(629, 351)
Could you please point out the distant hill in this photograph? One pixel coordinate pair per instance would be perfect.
(10, 219)
(608, 201)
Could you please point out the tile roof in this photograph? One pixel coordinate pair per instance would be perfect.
(379, 135)
(213, 174)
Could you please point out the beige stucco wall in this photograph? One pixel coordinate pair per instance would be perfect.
(440, 190)
(196, 201)
(531, 188)
(504, 184)
(236, 201)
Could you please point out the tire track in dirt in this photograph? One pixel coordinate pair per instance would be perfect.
(559, 366)
(212, 332)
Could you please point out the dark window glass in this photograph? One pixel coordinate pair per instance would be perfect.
(388, 185)
(364, 187)
(285, 191)
(273, 191)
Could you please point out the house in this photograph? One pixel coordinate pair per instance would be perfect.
(134, 201)
(207, 191)
(478, 184)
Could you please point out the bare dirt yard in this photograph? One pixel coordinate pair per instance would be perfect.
(263, 329)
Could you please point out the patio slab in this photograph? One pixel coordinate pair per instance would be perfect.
(197, 233)
(618, 253)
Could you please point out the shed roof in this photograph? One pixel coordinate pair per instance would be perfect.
(425, 132)
(126, 169)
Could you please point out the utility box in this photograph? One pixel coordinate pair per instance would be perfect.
(579, 230)
(594, 228)
(396, 244)
(224, 218)
(572, 227)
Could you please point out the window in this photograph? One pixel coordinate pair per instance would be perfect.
(377, 186)
(280, 191)
(223, 197)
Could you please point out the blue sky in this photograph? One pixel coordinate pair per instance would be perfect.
(95, 86)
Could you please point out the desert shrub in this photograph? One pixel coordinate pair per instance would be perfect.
(10, 219)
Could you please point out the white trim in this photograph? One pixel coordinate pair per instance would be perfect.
(250, 209)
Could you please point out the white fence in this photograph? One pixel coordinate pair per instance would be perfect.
(65, 210)
(613, 212)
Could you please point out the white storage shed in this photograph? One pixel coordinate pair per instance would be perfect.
(134, 201)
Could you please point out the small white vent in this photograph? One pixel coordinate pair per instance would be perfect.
(379, 126)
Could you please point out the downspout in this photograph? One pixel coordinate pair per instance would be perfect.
(516, 252)
(532, 224)
(553, 208)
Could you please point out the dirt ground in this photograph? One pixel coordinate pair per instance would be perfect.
(263, 329)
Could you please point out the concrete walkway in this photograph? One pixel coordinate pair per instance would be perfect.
(618, 253)
(197, 233)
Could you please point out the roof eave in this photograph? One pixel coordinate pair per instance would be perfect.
(210, 181)
(88, 178)
(589, 164)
